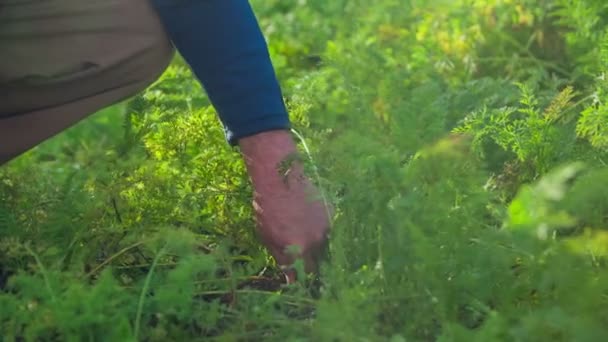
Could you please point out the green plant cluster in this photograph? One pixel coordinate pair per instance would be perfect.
(462, 144)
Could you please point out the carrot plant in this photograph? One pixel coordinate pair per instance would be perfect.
(461, 145)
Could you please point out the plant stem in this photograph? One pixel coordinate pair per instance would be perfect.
(144, 290)
(316, 171)
(109, 260)
(47, 283)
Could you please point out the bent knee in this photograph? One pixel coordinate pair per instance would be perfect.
(109, 44)
(52, 80)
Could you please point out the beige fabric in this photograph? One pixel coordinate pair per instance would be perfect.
(61, 60)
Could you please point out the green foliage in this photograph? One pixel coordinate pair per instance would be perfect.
(461, 144)
(535, 137)
(593, 122)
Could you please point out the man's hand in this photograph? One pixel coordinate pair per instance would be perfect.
(288, 207)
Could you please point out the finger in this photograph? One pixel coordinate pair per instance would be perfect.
(291, 275)
(285, 263)
(315, 256)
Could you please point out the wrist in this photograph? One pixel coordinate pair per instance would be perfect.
(271, 158)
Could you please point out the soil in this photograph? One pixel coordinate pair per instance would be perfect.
(4, 275)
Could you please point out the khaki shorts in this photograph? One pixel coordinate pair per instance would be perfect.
(62, 60)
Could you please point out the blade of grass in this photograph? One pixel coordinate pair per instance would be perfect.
(144, 290)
